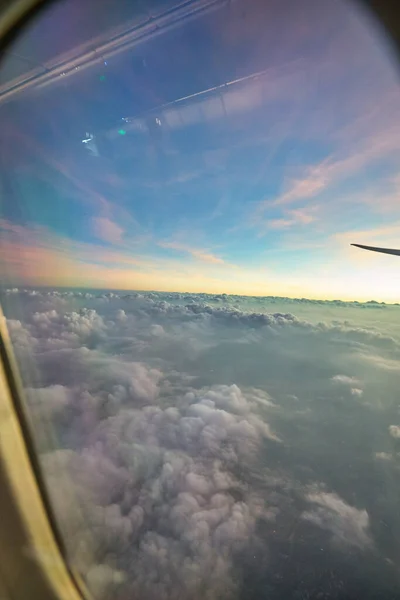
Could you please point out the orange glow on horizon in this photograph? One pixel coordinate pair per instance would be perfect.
(32, 265)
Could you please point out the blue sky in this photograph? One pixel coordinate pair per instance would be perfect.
(257, 187)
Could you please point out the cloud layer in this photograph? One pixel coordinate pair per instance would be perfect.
(182, 435)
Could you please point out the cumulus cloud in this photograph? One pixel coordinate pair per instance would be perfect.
(48, 401)
(394, 431)
(357, 392)
(200, 298)
(383, 456)
(20, 335)
(102, 580)
(171, 446)
(350, 383)
(345, 379)
(151, 481)
(348, 525)
(159, 491)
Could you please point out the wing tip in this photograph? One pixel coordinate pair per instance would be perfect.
(392, 251)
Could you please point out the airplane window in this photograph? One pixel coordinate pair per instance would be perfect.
(211, 370)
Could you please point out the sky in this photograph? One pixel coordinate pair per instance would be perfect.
(218, 447)
(255, 188)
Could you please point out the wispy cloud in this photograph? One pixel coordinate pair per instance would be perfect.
(311, 184)
(197, 253)
(69, 177)
(33, 255)
(37, 256)
(291, 218)
(356, 145)
(106, 230)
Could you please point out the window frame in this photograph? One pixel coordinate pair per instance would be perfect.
(33, 560)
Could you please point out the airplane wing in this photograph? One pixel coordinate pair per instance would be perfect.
(375, 249)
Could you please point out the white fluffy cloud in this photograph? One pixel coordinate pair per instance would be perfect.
(348, 525)
(351, 383)
(383, 456)
(159, 491)
(394, 431)
(163, 472)
(345, 380)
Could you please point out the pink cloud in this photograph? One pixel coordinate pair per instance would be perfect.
(373, 137)
(292, 218)
(200, 254)
(31, 255)
(107, 230)
(304, 216)
(313, 182)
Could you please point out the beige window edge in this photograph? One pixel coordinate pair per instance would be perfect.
(32, 562)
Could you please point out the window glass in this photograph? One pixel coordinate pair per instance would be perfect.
(210, 369)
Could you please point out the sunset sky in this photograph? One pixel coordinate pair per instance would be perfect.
(255, 188)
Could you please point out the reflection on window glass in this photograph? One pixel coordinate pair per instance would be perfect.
(211, 370)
